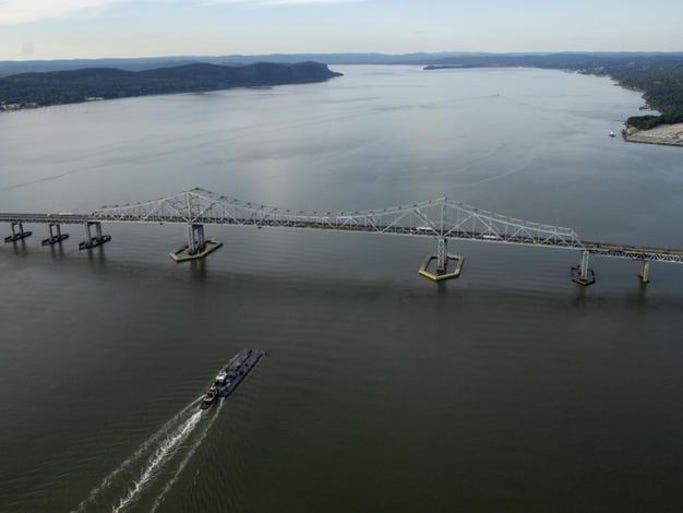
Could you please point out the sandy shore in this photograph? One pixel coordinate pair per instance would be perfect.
(663, 134)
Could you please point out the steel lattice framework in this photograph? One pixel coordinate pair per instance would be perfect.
(438, 218)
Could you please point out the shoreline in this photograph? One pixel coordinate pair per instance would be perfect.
(665, 135)
(46, 89)
(7, 109)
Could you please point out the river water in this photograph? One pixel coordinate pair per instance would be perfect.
(510, 389)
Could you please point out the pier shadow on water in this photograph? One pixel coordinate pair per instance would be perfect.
(19, 248)
(97, 255)
(198, 270)
(57, 251)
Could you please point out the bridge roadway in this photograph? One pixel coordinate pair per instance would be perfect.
(439, 219)
(631, 252)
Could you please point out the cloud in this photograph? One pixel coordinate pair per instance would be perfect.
(301, 2)
(26, 11)
(265, 3)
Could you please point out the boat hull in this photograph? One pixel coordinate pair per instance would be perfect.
(236, 370)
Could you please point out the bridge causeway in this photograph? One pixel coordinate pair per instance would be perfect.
(439, 219)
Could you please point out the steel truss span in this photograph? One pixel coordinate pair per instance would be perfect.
(439, 218)
(434, 218)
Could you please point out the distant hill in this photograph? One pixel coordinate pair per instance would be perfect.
(658, 74)
(146, 63)
(58, 87)
(561, 60)
(472, 59)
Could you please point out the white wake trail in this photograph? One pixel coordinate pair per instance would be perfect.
(167, 449)
(128, 462)
(186, 459)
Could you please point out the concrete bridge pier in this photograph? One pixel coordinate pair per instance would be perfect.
(443, 265)
(195, 238)
(56, 235)
(98, 239)
(582, 274)
(198, 246)
(18, 232)
(644, 271)
(441, 256)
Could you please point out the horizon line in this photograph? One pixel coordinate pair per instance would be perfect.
(369, 53)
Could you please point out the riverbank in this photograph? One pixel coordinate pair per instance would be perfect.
(670, 135)
(32, 90)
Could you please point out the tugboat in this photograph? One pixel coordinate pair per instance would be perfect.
(209, 398)
(230, 376)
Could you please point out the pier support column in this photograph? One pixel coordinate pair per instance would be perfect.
(195, 238)
(443, 265)
(582, 274)
(644, 271)
(441, 255)
(92, 241)
(198, 246)
(18, 232)
(56, 235)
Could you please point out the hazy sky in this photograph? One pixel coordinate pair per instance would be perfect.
(45, 29)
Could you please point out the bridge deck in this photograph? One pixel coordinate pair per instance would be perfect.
(632, 252)
(635, 252)
(46, 218)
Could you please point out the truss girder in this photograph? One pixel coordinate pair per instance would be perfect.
(671, 256)
(437, 218)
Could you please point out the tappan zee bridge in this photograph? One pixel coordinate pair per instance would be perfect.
(439, 219)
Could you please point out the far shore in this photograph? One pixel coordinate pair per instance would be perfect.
(670, 135)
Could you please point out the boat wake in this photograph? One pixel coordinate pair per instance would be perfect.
(151, 471)
(169, 484)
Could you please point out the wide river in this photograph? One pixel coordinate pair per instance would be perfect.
(508, 390)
